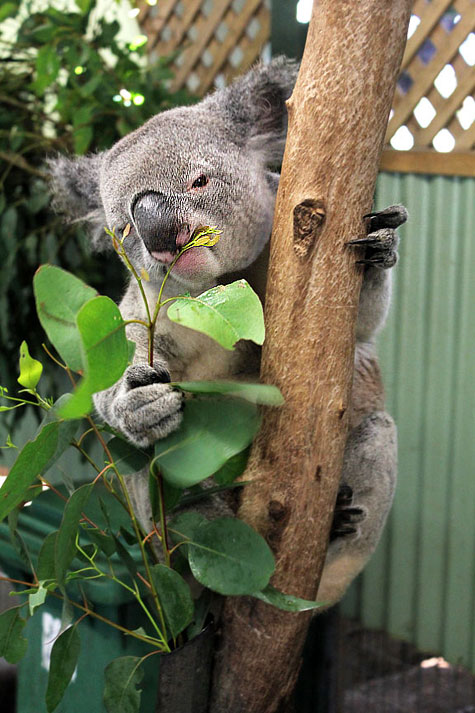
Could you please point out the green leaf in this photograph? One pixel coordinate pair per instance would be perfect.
(30, 369)
(66, 429)
(122, 676)
(264, 394)
(32, 461)
(8, 9)
(83, 5)
(59, 297)
(202, 607)
(47, 67)
(13, 644)
(45, 569)
(17, 540)
(37, 598)
(131, 347)
(106, 543)
(125, 557)
(226, 313)
(229, 557)
(183, 526)
(65, 547)
(286, 602)
(64, 657)
(82, 138)
(175, 598)
(212, 431)
(105, 350)
(127, 457)
(232, 469)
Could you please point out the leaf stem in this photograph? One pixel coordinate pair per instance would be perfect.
(156, 473)
(147, 639)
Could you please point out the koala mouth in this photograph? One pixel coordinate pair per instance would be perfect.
(183, 237)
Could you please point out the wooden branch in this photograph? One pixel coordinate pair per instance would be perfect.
(337, 119)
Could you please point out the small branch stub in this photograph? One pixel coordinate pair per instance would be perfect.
(309, 217)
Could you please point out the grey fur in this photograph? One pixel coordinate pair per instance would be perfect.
(235, 139)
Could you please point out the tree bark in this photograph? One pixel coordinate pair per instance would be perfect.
(338, 114)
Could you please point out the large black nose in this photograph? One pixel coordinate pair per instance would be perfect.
(156, 222)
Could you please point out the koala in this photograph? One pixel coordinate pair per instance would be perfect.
(216, 163)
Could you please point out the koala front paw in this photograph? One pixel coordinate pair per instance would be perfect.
(382, 240)
(146, 408)
(346, 517)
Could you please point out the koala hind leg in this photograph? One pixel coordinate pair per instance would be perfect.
(366, 492)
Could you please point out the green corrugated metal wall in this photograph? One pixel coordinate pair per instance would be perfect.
(420, 584)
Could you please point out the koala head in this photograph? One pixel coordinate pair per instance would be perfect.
(208, 164)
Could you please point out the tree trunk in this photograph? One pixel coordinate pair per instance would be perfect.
(338, 114)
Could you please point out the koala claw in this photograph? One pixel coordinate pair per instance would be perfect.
(147, 409)
(391, 217)
(345, 516)
(382, 240)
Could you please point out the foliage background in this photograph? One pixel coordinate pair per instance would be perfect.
(67, 84)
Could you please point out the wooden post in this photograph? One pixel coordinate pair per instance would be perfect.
(338, 114)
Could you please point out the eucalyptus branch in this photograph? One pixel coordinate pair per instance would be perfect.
(205, 236)
(132, 590)
(156, 473)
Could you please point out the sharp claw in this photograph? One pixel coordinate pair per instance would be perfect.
(381, 260)
(391, 217)
(376, 262)
(364, 241)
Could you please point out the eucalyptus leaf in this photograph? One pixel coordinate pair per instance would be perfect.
(174, 596)
(229, 557)
(30, 369)
(213, 430)
(226, 313)
(125, 557)
(127, 457)
(286, 602)
(17, 539)
(45, 568)
(47, 68)
(32, 461)
(59, 297)
(13, 644)
(67, 613)
(182, 527)
(105, 351)
(7, 10)
(37, 598)
(122, 676)
(202, 609)
(64, 657)
(232, 469)
(106, 543)
(66, 429)
(65, 547)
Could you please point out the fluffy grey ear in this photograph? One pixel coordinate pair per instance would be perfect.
(75, 188)
(255, 106)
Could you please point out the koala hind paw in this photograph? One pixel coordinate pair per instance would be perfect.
(346, 517)
(381, 240)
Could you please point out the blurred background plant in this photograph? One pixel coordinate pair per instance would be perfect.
(69, 83)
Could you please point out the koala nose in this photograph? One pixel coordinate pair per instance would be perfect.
(156, 222)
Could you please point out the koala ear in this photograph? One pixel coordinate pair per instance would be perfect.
(75, 187)
(254, 105)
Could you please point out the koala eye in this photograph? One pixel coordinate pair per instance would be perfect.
(200, 182)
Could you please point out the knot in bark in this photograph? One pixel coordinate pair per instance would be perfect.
(309, 217)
